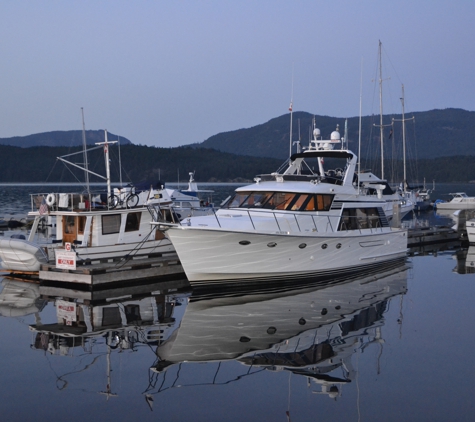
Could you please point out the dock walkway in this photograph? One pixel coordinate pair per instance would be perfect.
(115, 271)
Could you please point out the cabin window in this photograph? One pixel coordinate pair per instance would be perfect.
(370, 217)
(256, 200)
(237, 200)
(359, 218)
(70, 224)
(324, 202)
(277, 201)
(110, 224)
(81, 224)
(133, 221)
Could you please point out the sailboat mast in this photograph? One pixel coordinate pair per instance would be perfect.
(84, 146)
(291, 112)
(403, 139)
(359, 128)
(403, 120)
(381, 130)
(290, 149)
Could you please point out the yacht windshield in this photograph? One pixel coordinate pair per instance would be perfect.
(288, 201)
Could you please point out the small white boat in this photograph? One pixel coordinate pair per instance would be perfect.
(373, 185)
(108, 226)
(459, 201)
(300, 222)
(188, 202)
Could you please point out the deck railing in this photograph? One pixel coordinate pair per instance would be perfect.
(285, 222)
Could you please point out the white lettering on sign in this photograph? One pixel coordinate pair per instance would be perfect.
(65, 260)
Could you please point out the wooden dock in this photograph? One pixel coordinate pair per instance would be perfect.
(430, 235)
(115, 271)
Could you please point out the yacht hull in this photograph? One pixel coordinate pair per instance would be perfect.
(470, 225)
(217, 255)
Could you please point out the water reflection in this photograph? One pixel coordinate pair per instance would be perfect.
(312, 330)
(19, 298)
(465, 260)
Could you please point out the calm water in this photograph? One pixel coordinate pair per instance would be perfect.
(391, 346)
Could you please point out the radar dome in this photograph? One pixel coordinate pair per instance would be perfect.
(335, 136)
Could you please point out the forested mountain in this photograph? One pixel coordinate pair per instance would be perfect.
(435, 133)
(139, 163)
(40, 164)
(60, 138)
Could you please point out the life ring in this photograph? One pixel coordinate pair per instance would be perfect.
(50, 199)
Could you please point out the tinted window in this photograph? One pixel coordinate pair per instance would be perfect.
(110, 224)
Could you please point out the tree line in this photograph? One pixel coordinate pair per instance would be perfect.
(140, 163)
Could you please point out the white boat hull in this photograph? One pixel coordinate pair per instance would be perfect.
(453, 206)
(470, 225)
(22, 256)
(209, 255)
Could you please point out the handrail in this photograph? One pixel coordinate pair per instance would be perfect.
(273, 215)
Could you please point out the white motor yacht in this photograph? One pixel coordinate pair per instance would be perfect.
(459, 201)
(300, 221)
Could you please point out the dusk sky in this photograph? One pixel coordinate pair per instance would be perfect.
(171, 73)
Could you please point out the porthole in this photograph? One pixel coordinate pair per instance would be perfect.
(271, 330)
(272, 244)
(244, 339)
(302, 245)
(302, 321)
(338, 245)
(244, 242)
(324, 246)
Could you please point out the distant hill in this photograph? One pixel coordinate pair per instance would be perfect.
(69, 138)
(432, 134)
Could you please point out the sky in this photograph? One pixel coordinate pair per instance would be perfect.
(168, 73)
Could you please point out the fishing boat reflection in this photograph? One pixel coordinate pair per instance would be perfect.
(312, 331)
(123, 319)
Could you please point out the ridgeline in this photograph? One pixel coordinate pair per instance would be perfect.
(440, 146)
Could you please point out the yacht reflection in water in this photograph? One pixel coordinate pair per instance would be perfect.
(311, 329)
(465, 260)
